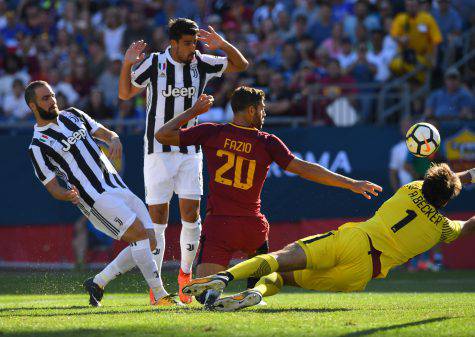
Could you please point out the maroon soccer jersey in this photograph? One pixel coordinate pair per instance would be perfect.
(238, 159)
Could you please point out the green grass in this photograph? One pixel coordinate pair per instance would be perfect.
(422, 304)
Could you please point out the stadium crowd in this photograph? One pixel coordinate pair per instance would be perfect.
(340, 50)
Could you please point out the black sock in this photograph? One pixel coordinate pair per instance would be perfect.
(227, 275)
(251, 282)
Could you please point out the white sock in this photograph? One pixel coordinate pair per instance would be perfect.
(120, 265)
(189, 241)
(159, 252)
(143, 258)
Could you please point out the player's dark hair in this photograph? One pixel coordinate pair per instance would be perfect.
(440, 185)
(244, 97)
(30, 94)
(181, 26)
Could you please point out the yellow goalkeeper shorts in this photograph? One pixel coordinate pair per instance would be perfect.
(336, 261)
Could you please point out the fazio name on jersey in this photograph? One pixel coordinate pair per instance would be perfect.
(175, 92)
(77, 135)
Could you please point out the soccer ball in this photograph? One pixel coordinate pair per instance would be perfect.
(422, 139)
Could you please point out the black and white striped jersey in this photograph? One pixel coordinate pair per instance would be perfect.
(67, 150)
(172, 88)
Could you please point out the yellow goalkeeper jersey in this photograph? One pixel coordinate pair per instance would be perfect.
(407, 225)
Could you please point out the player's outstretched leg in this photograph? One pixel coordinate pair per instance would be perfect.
(120, 265)
(266, 286)
(257, 266)
(292, 257)
(141, 251)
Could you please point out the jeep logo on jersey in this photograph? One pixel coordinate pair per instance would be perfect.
(175, 92)
(77, 135)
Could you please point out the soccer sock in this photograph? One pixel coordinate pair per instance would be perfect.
(258, 266)
(189, 241)
(159, 252)
(143, 258)
(120, 265)
(251, 282)
(269, 285)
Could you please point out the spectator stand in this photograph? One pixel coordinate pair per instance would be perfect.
(83, 42)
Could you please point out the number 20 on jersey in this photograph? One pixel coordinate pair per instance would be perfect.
(235, 162)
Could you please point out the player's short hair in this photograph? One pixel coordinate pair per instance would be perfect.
(440, 185)
(244, 97)
(181, 26)
(30, 94)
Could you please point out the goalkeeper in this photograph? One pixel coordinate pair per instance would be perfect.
(346, 259)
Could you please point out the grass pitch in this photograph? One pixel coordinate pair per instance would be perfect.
(422, 304)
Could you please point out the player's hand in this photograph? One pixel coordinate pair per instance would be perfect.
(210, 38)
(134, 53)
(72, 195)
(366, 188)
(115, 149)
(203, 104)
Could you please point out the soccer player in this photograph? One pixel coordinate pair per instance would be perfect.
(174, 80)
(238, 156)
(63, 147)
(346, 259)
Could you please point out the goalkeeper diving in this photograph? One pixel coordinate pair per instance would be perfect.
(346, 259)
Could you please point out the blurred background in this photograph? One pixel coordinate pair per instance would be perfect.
(343, 80)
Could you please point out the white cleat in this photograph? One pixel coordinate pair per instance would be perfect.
(239, 301)
(197, 286)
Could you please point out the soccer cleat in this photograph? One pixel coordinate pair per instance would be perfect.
(239, 301)
(182, 280)
(197, 286)
(95, 292)
(210, 297)
(167, 301)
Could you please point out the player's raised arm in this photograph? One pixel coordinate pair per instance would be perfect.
(212, 40)
(133, 55)
(468, 227)
(169, 133)
(321, 175)
(467, 177)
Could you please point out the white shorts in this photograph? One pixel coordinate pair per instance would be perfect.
(115, 211)
(165, 173)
